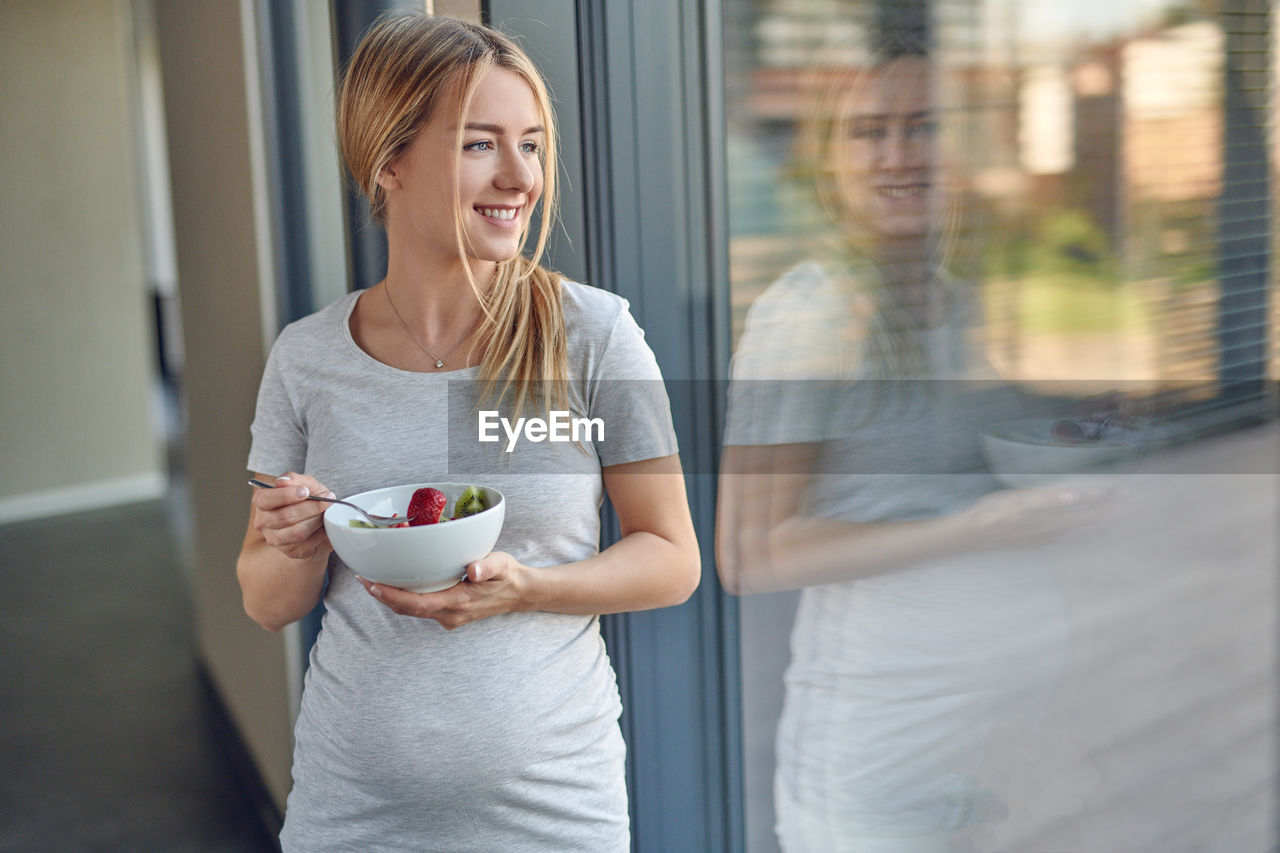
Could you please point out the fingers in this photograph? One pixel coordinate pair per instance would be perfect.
(312, 546)
(1018, 501)
(1039, 515)
(449, 607)
(488, 568)
(488, 589)
(287, 520)
(290, 489)
(284, 494)
(1052, 498)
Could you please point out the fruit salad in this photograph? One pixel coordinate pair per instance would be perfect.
(1098, 427)
(429, 506)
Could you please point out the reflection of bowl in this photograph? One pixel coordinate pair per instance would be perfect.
(1026, 453)
(420, 559)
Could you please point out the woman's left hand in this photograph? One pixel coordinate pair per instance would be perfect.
(655, 563)
(494, 585)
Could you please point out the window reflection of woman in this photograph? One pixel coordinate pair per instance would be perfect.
(882, 182)
(851, 474)
(883, 155)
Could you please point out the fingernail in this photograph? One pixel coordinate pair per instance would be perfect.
(330, 495)
(284, 479)
(376, 590)
(303, 491)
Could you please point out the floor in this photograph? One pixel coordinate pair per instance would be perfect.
(108, 737)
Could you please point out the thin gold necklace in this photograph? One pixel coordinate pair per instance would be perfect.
(440, 360)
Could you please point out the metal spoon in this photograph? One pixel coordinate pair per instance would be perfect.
(376, 520)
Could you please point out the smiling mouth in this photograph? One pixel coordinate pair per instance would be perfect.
(501, 214)
(908, 191)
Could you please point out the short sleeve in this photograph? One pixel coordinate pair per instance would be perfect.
(279, 434)
(628, 396)
(794, 352)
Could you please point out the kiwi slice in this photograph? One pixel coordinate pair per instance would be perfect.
(469, 502)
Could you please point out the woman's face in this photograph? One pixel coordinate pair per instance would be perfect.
(498, 172)
(884, 153)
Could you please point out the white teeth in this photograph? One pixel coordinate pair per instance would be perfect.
(902, 192)
(495, 213)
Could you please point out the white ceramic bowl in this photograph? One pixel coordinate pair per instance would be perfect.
(427, 558)
(1025, 453)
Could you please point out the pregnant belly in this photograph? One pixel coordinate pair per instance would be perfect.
(422, 710)
(493, 782)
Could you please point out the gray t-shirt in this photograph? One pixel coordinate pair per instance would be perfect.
(502, 734)
(890, 448)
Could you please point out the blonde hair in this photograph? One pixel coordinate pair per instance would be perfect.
(406, 67)
(892, 345)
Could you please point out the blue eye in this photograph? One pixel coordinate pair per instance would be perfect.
(923, 129)
(482, 145)
(530, 147)
(868, 131)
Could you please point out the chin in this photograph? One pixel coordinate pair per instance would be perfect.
(910, 231)
(902, 225)
(495, 253)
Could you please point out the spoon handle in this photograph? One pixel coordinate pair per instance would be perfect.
(379, 520)
(262, 485)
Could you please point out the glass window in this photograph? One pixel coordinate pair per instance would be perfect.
(1069, 206)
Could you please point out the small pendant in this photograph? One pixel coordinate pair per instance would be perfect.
(439, 363)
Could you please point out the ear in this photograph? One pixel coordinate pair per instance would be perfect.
(387, 177)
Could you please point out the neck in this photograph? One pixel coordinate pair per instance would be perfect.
(440, 356)
(922, 303)
(912, 291)
(434, 308)
(910, 255)
(435, 294)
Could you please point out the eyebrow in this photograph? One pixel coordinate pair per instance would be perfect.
(886, 117)
(919, 114)
(499, 130)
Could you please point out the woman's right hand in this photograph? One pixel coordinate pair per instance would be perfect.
(288, 521)
(1037, 516)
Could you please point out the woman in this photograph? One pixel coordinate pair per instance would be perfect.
(482, 717)
(853, 471)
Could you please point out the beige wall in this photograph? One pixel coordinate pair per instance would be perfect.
(219, 217)
(468, 10)
(75, 332)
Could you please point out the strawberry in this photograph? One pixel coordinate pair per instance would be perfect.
(426, 507)
(1069, 431)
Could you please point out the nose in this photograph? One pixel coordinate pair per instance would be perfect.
(896, 149)
(518, 171)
